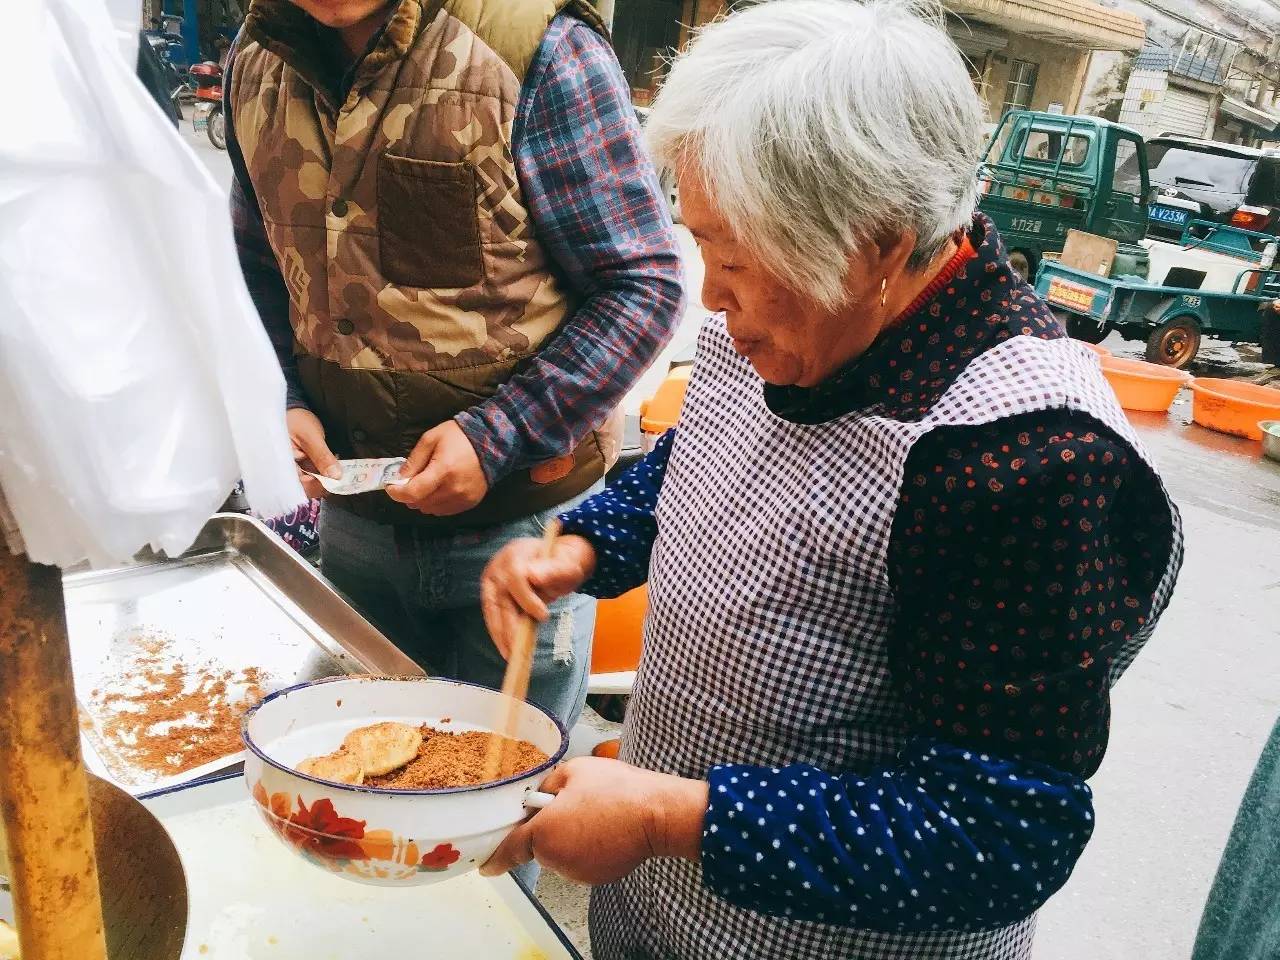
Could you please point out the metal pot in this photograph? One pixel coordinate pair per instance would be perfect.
(1270, 438)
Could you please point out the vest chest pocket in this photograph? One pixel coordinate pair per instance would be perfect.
(428, 224)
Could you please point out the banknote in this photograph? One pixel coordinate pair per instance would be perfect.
(363, 476)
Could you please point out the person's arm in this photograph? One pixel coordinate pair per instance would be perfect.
(257, 260)
(597, 210)
(1021, 562)
(620, 525)
(603, 550)
(267, 290)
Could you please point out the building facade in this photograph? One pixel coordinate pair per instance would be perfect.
(1209, 70)
(1179, 90)
(1035, 54)
(1021, 53)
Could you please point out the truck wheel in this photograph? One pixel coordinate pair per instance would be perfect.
(1175, 342)
(1270, 338)
(1081, 328)
(1024, 264)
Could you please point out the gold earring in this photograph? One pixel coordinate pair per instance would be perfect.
(883, 290)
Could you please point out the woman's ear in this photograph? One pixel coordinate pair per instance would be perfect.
(895, 250)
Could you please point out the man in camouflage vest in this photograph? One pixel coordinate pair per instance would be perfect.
(460, 249)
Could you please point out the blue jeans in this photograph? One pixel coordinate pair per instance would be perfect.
(423, 592)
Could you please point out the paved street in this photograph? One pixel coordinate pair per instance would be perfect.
(1189, 718)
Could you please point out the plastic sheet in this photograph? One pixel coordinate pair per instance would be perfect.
(136, 381)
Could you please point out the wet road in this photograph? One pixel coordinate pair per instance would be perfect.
(1215, 358)
(1190, 716)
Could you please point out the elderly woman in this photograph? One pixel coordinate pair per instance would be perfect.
(898, 547)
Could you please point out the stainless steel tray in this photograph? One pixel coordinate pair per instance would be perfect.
(252, 899)
(239, 602)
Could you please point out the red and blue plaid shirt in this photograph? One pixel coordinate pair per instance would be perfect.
(596, 208)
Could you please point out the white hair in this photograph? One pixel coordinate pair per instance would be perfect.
(818, 126)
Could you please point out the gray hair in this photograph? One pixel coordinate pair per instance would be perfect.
(818, 126)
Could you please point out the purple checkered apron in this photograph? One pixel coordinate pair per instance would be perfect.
(769, 611)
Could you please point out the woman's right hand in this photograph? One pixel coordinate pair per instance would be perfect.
(522, 579)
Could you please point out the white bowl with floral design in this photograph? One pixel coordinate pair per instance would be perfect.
(372, 834)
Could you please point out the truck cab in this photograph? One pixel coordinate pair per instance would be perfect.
(1044, 174)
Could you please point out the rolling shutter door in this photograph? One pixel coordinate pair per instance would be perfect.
(1184, 113)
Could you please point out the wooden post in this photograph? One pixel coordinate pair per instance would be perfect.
(44, 799)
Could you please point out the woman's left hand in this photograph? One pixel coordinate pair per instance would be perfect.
(607, 818)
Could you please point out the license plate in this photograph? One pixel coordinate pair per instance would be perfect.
(1169, 215)
(1067, 294)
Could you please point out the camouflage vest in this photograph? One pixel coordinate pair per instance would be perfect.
(416, 283)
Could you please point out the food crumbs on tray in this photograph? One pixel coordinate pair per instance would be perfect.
(531, 953)
(166, 717)
(204, 948)
(338, 704)
(272, 940)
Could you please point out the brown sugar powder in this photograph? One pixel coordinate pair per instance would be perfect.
(454, 760)
(175, 716)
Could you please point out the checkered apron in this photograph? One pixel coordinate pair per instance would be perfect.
(769, 611)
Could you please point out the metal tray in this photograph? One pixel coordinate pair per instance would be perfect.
(252, 899)
(240, 598)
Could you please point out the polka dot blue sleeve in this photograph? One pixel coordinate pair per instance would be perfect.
(946, 839)
(619, 521)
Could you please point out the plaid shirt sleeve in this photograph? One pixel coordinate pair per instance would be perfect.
(597, 209)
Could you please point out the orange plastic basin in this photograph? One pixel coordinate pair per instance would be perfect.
(660, 413)
(619, 632)
(1143, 386)
(607, 748)
(1233, 406)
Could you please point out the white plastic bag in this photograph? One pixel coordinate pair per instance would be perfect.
(126, 20)
(136, 381)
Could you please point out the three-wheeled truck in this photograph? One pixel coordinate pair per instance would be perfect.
(1046, 174)
(1214, 283)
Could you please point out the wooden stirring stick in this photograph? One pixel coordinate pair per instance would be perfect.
(515, 683)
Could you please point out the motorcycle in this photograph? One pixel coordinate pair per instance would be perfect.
(208, 116)
(165, 39)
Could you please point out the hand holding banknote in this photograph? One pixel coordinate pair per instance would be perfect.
(363, 476)
(444, 474)
(311, 452)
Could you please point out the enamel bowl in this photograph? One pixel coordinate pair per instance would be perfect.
(1270, 430)
(376, 835)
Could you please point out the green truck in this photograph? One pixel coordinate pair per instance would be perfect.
(1045, 173)
(1216, 281)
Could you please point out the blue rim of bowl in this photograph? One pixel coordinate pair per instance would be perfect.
(387, 791)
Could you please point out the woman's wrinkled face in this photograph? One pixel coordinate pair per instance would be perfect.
(789, 338)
